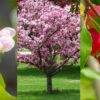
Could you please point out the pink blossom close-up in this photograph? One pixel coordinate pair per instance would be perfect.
(6, 39)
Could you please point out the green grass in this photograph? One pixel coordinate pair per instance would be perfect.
(32, 84)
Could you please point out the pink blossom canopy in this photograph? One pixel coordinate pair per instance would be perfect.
(49, 32)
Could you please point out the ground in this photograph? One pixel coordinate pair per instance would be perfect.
(32, 84)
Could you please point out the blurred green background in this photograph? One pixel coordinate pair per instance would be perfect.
(8, 13)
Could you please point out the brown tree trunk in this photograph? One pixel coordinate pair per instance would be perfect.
(49, 84)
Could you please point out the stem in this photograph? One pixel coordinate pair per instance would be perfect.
(49, 84)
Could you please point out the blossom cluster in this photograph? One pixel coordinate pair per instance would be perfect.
(48, 31)
(24, 57)
(6, 39)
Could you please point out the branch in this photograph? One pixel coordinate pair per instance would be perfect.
(46, 39)
(63, 63)
(93, 8)
(39, 54)
(41, 44)
(54, 55)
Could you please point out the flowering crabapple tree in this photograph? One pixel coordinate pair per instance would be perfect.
(50, 33)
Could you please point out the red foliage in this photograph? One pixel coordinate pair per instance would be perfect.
(96, 41)
(91, 13)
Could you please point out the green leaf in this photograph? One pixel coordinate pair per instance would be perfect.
(96, 2)
(2, 83)
(97, 22)
(4, 95)
(89, 73)
(85, 46)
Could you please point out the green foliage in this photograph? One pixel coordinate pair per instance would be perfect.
(2, 83)
(87, 89)
(12, 3)
(4, 95)
(97, 23)
(86, 46)
(96, 2)
(90, 74)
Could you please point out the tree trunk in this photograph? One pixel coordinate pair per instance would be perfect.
(49, 84)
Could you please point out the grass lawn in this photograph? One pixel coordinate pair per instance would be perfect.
(32, 84)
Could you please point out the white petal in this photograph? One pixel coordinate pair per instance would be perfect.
(10, 31)
(1, 46)
(7, 42)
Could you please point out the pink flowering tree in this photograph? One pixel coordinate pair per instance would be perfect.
(50, 33)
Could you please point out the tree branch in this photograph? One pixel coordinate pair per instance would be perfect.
(46, 38)
(93, 8)
(63, 63)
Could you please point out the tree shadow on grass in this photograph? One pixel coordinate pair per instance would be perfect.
(69, 72)
(55, 92)
(29, 72)
(71, 94)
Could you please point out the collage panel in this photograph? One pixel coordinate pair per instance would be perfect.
(48, 50)
(8, 64)
(90, 50)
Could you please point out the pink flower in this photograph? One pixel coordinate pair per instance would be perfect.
(7, 32)
(6, 44)
(1, 46)
(6, 39)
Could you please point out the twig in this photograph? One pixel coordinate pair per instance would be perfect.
(93, 8)
(63, 63)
